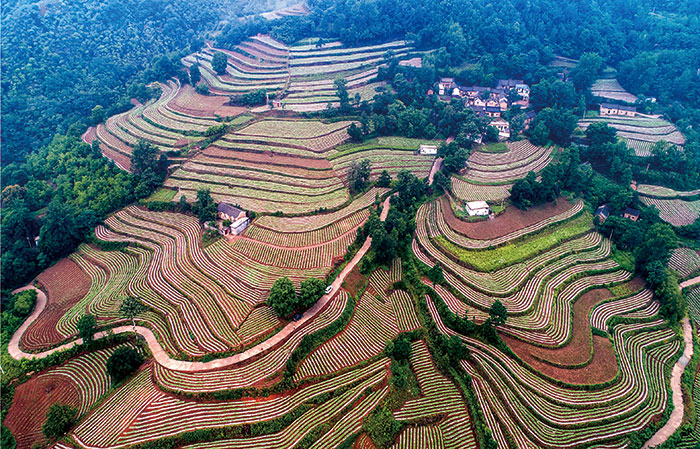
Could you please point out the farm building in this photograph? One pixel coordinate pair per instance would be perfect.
(603, 212)
(475, 208)
(446, 85)
(227, 211)
(503, 128)
(427, 149)
(239, 225)
(609, 109)
(631, 214)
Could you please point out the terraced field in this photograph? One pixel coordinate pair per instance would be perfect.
(640, 133)
(685, 261)
(302, 75)
(544, 400)
(271, 165)
(675, 211)
(611, 90)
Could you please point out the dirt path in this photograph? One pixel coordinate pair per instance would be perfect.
(690, 282)
(159, 353)
(676, 418)
(436, 167)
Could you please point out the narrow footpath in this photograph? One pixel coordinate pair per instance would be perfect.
(676, 418)
(162, 357)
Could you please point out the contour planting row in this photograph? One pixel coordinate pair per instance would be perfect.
(311, 238)
(604, 312)
(437, 222)
(676, 212)
(254, 371)
(504, 174)
(684, 261)
(664, 192)
(517, 151)
(468, 191)
(154, 414)
(538, 413)
(317, 222)
(393, 161)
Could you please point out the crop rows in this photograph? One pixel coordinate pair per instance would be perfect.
(437, 222)
(684, 261)
(467, 191)
(510, 174)
(604, 312)
(312, 223)
(250, 373)
(664, 192)
(392, 161)
(537, 413)
(299, 258)
(693, 299)
(315, 237)
(372, 325)
(297, 129)
(160, 415)
(676, 212)
(517, 151)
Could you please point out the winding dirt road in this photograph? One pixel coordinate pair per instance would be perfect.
(676, 418)
(162, 357)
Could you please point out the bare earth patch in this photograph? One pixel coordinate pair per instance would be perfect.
(509, 221)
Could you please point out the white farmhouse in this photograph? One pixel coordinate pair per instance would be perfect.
(475, 208)
(428, 149)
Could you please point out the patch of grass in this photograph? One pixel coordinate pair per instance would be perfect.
(164, 195)
(497, 258)
(625, 259)
(499, 147)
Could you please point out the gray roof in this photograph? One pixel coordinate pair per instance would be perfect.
(228, 209)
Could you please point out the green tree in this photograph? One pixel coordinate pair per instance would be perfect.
(498, 313)
(283, 298)
(402, 348)
(130, 307)
(59, 232)
(97, 115)
(441, 182)
(219, 62)
(59, 420)
(587, 70)
(310, 291)
(195, 74)
(491, 134)
(358, 175)
(435, 274)
(341, 91)
(539, 133)
(123, 361)
(355, 133)
(87, 325)
(384, 179)
(205, 207)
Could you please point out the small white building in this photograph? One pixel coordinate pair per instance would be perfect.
(428, 149)
(239, 225)
(475, 208)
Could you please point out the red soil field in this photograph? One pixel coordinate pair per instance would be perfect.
(511, 220)
(90, 135)
(65, 284)
(267, 158)
(364, 442)
(32, 401)
(599, 368)
(190, 102)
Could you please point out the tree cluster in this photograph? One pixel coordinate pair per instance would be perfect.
(284, 300)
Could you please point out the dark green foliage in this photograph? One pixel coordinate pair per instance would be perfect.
(255, 98)
(59, 420)
(283, 298)
(528, 191)
(205, 207)
(455, 157)
(358, 175)
(15, 308)
(587, 70)
(130, 307)
(219, 62)
(381, 427)
(442, 182)
(122, 363)
(491, 134)
(355, 133)
(202, 89)
(195, 74)
(310, 291)
(86, 328)
(498, 313)
(384, 179)
(436, 275)
(341, 92)
(149, 164)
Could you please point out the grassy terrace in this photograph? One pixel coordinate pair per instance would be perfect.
(494, 259)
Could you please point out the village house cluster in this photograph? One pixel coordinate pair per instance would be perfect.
(490, 101)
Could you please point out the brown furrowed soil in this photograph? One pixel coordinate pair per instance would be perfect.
(509, 221)
(65, 284)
